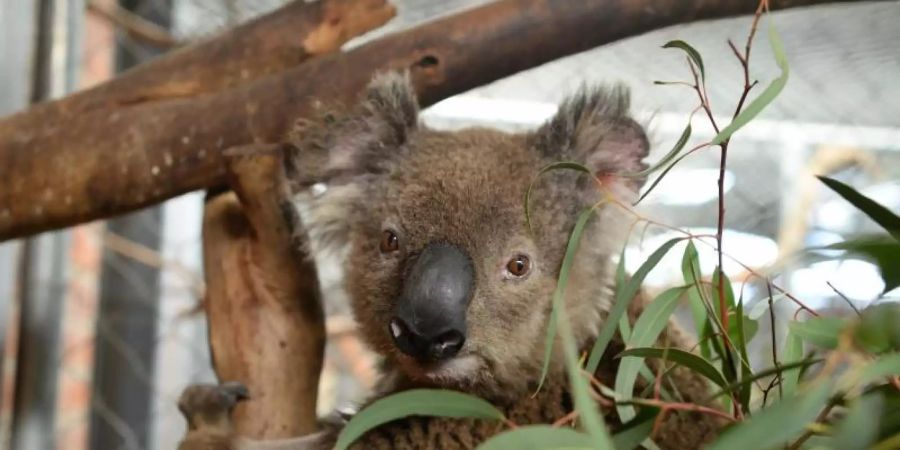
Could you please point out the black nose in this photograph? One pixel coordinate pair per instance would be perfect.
(426, 347)
(429, 321)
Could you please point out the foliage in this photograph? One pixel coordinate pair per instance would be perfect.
(835, 384)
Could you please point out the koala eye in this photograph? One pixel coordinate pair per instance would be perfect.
(389, 242)
(519, 266)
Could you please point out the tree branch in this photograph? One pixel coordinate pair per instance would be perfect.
(144, 138)
(266, 326)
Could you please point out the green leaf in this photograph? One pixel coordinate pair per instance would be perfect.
(647, 328)
(621, 279)
(570, 165)
(759, 103)
(820, 331)
(792, 354)
(782, 368)
(690, 271)
(624, 297)
(883, 367)
(859, 429)
(581, 392)
(727, 354)
(691, 52)
(637, 430)
(878, 330)
(560, 292)
(881, 250)
(881, 215)
(776, 425)
(660, 177)
(415, 402)
(678, 356)
(685, 135)
(760, 307)
(538, 437)
(746, 329)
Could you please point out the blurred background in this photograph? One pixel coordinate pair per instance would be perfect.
(101, 324)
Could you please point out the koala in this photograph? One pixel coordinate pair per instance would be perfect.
(448, 281)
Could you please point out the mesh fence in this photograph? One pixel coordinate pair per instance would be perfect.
(838, 115)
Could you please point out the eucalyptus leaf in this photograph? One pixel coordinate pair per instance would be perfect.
(819, 331)
(765, 98)
(637, 430)
(878, 330)
(560, 292)
(883, 367)
(881, 215)
(624, 296)
(776, 425)
(679, 145)
(415, 402)
(581, 392)
(649, 325)
(884, 251)
(761, 306)
(792, 354)
(538, 437)
(692, 53)
(691, 273)
(681, 357)
(859, 428)
(784, 368)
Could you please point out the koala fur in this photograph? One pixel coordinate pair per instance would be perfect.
(383, 170)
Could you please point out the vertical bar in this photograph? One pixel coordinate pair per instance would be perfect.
(43, 271)
(42, 275)
(17, 20)
(123, 386)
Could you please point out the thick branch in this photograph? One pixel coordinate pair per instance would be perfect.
(270, 43)
(98, 162)
(266, 327)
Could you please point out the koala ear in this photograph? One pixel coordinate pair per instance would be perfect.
(330, 161)
(339, 145)
(387, 116)
(593, 128)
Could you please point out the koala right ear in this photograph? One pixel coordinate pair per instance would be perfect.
(592, 127)
(329, 162)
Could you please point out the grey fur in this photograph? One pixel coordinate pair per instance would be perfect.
(382, 169)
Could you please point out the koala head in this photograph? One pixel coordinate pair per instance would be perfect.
(446, 278)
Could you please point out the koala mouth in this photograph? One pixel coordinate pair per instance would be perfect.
(457, 370)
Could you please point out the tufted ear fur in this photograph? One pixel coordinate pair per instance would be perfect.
(593, 128)
(330, 160)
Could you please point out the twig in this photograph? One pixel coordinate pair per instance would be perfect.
(134, 25)
(841, 295)
(568, 418)
(774, 341)
(808, 433)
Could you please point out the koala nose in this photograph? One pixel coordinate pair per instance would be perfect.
(429, 321)
(423, 347)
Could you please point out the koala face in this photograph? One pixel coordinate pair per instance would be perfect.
(446, 278)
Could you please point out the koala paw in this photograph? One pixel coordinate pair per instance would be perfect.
(211, 399)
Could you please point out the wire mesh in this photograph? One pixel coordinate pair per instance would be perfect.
(838, 114)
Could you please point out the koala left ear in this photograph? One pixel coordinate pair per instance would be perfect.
(341, 152)
(593, 128)
(339, 146)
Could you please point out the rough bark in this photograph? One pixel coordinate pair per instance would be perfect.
(72, 164)
(266, 327)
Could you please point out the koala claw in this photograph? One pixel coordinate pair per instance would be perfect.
(211, 399)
